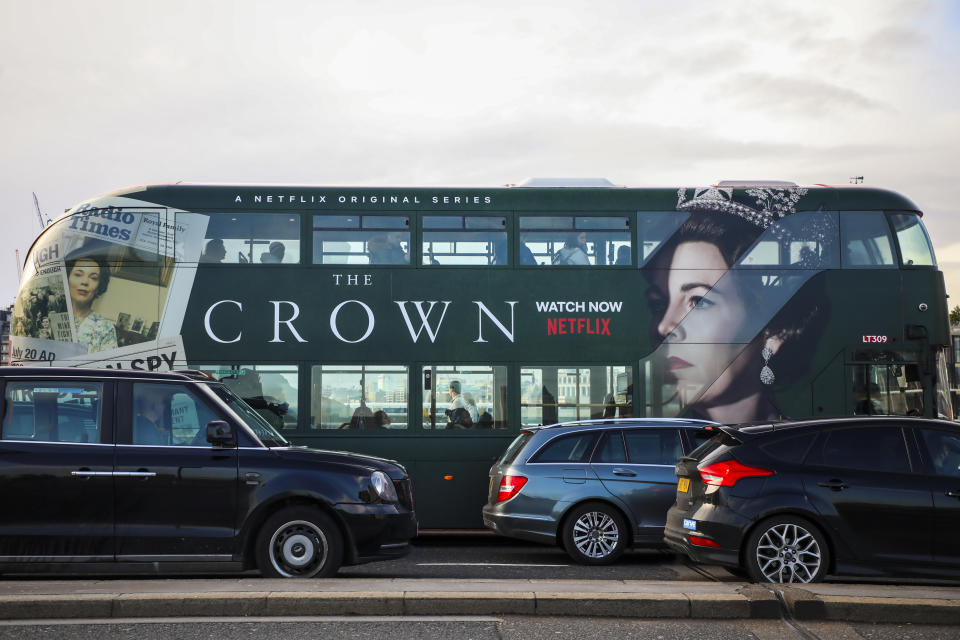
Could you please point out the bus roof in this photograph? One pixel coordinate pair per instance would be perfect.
(536, 195)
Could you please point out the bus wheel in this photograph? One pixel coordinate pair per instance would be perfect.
(594, 533)
(299, 542)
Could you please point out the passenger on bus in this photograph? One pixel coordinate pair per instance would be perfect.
(623, 255)
(866, 401)
(459, 419)
(362, 418)
(380, 419)
(387, 249)
(457, 404)
(485, 421)
(214, 251)
(471, 405)
(526, 255)
(574, 251)
(274, 254)
(456, 399)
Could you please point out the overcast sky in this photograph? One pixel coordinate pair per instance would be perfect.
(97, 95)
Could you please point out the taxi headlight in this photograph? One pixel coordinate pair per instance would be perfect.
(383, 487)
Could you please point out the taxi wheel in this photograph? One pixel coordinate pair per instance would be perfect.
(594, 533)
(786, 549)
(299, 542)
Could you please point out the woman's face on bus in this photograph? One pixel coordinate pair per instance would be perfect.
(84, 280)
(698, 313)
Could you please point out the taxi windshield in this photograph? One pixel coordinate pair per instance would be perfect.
(260, 427)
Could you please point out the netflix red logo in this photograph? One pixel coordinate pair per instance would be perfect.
(578, 326)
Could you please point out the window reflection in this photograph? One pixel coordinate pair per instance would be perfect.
(866, 241)
(914, 244)
(271, 390)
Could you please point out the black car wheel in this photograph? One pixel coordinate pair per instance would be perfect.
(786, 549)
(299, 542)
(594, 533)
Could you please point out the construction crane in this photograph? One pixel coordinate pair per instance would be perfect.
(36, 205)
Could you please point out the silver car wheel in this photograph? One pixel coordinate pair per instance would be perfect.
(298, 549)
(595, 534)
(788, 553)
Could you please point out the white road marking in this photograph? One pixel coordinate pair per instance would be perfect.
(485, 564)
(214, 619)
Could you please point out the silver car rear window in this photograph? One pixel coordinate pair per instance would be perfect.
(516, 447)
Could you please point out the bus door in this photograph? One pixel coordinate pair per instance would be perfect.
(890, 385)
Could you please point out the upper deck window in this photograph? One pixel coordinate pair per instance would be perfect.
(247, 238)
(807, 240)
(361, 239)
(912, 237)
(865, 240)
(654, 228)
(575, 240)
(473, 240)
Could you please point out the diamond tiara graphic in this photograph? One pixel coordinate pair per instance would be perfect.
(771, 204)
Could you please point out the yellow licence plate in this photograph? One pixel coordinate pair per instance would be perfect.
(683, 485)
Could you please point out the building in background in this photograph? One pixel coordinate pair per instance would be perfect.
(5, 316)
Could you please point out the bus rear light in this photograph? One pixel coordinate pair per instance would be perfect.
(728, 472)
(509, 487)
(703, 542)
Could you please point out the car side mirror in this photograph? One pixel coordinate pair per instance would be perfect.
(220, 434)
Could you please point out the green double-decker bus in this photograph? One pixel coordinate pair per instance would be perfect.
(431, 325)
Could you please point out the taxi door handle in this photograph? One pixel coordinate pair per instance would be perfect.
(619, 471)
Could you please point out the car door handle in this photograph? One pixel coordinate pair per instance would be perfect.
(86, 473)
(952, 494)
(834, 485)
(135, 474)
(619, 471)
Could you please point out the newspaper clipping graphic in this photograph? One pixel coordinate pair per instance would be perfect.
(98, 284)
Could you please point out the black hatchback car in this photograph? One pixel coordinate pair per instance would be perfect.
(793, 502)
(111, 470)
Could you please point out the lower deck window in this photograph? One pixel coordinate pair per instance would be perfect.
(560, 394)
(271, 390)
(358, 397)
(464, 397)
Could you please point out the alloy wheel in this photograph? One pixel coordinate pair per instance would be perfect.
(787, 552)
(595, 534)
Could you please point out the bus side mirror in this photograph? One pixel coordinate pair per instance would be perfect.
(220, 434)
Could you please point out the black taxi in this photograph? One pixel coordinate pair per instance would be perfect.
(108, 470)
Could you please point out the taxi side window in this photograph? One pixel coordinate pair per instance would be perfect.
(50, 411)
(169, 415)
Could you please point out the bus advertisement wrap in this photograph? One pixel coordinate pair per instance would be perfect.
(101, 282)
(432, 325)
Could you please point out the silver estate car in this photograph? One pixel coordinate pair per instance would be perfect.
(595, 487)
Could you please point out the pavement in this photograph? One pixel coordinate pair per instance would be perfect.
(46, 598)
